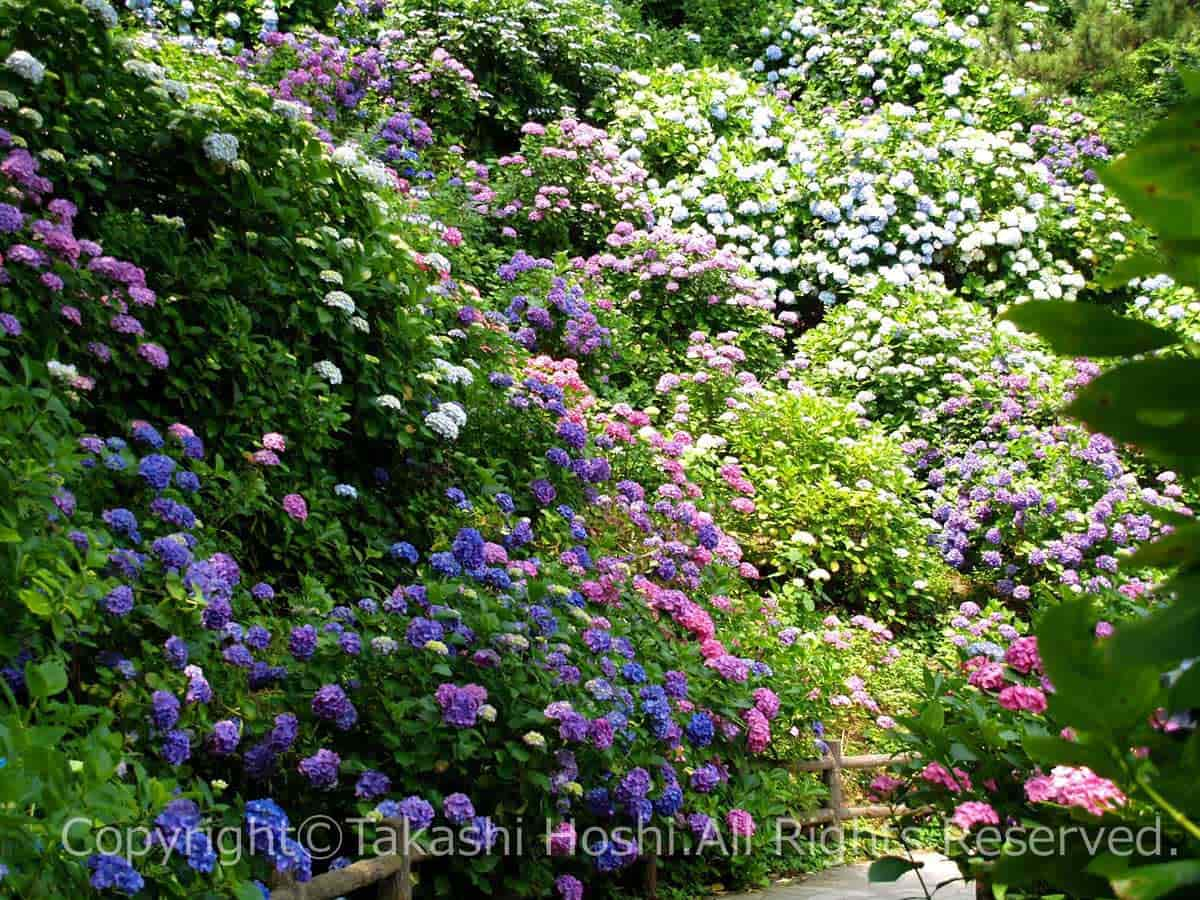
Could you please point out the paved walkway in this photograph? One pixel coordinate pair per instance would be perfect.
(850, 883)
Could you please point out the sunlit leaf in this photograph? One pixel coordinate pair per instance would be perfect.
(1152, 882)
(1158, 180)
(1153, 404)
(1167, 635)
(1084, 329)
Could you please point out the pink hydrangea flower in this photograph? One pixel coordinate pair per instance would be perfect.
(986, 675)
(1018, 697)
(561, 841)
(1075, 786)
(968, 815)
(885, 785)
(273, 440)
(767, 702)
(936, 773)
(1023, 655)
(740, 822)
(296, 507)
(758, 731)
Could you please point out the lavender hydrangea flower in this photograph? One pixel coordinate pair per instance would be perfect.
(371, 785)
(157, 470)
(164, 710)
(303, 642)
(176, 748)
(458, 809)
(113, 872)
(321, 769)
(119, 601)
(224, 738)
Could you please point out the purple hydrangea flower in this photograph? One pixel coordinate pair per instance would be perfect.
(321, 769)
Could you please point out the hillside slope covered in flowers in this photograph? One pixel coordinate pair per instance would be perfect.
(501, 415)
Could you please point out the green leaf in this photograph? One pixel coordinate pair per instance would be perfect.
(46, 679)
(890, 868)
(247, 890)
(1191, 81)
(1082, 670)
(933, 717)
(1180, 547)
(1185, 693)
(1152, 403)
(1084, 329)
(1167, 635)
(1157, 180)
(1152, 882)
(1052, 750)
(1128, 268)
(36, 602)
(962, 753)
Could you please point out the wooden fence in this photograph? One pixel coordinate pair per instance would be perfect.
(831, 767)
(393, 873)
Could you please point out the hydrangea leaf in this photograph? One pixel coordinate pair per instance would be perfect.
(1152, 404)
(46, 679)
(890, 868)
(1179, 548)
(1158, 180)
(1084, 329)
(1082, 670)
(1153, 882)
(1167, 635)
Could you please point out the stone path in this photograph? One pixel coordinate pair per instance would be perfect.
(850, 883)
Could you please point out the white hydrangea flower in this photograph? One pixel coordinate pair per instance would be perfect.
(288, 109)
(103, 11)
(342, 301)
(26, 66)
(442, 425)
(62, 371)
(328, 371)
(221, 147)
(389, 401)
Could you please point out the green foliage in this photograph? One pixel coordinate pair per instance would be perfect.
(833, 506)
(1149, 403)
(530, 59)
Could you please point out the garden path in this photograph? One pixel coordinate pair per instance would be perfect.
(850, 883)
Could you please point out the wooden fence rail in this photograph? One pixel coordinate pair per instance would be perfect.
(392, 872)
(831, 767)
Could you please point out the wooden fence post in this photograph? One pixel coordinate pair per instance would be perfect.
(398, 886)
(652, 876)
(833, 779)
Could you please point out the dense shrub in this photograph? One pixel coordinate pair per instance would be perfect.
(830, 502)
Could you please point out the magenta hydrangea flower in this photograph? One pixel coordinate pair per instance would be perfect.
(740, 823)
(968, 815)
(1022, 655)
(1018, 697)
